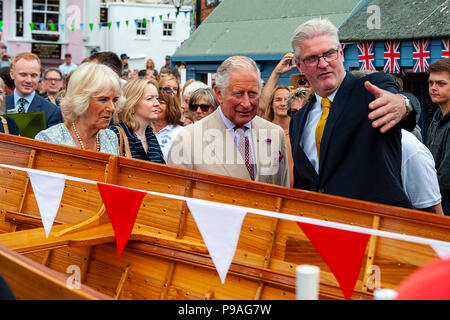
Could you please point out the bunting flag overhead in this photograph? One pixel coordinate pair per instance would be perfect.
(392, 56)
(343, 252)
(421, 55)
(446, 48)
(48, 188)
(122, 205)
(220, 228)
(366, 56)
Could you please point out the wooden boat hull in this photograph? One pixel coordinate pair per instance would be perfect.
(166, 257)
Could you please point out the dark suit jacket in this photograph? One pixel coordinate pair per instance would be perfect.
(52, 112)
(356, 160)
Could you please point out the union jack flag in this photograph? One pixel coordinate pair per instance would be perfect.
(446, 51)
(421, 55)
(392, 55)
(366, 56)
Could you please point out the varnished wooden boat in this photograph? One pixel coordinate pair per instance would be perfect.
(166, 257)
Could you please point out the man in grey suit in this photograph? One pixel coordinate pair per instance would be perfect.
(26, 71)
(233, 141)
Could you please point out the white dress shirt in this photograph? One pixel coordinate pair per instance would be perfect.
(308, 139)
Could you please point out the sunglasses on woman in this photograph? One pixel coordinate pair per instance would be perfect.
(204, 107)
(291, 112)
(302, 82)
(168, 90)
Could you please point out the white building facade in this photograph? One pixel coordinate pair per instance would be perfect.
(142, 31)
(51, 28)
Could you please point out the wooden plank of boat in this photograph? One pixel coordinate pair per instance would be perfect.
(27, 278)
(268, 248)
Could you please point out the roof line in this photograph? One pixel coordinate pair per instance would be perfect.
(356, 9)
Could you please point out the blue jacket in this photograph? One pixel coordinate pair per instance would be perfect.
(52, 112)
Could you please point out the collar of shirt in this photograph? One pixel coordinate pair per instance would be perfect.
(230, 125)
(29, 99)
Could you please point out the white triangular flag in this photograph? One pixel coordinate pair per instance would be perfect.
(442, 250)
(48, 188)
(220, 228)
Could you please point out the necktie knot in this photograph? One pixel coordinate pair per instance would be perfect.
(326, 103)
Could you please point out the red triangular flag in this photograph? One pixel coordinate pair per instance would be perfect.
(343, 251)
(122, 205)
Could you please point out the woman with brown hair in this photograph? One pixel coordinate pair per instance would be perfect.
(276, 113)
(168, 123)
(136, 119)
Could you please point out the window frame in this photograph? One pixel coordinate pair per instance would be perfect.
(146, 29)
(173, 29)
(27, 19)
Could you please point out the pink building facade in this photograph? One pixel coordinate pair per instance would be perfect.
(43, 27)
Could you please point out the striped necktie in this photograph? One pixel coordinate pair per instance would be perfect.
(326, 104)
(22, 102)
(245, 150)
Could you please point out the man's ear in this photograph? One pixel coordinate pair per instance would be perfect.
(218, 94)
(11, 73)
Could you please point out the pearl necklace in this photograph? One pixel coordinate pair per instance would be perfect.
(81, 141)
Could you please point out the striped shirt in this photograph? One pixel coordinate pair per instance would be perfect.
(153, 154)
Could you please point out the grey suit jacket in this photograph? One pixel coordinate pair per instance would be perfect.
(208, 146)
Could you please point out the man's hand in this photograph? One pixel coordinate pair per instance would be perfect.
(389, 108)
(284, 65)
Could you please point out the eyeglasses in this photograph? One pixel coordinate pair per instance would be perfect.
(302, 82)
(204, 107)
(291, 112)
(52, 79)
(168, 90)
(327, 56)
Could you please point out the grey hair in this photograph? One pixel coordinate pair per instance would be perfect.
(310, 29)
(192, 87)
(207, 94)
(233, 63)
(297, 94)
(87, 81)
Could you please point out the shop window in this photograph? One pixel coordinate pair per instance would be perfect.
(45, 16)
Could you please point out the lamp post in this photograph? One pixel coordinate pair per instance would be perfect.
(177, 4)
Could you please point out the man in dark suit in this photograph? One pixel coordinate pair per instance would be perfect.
(336, 144)
(26, 71)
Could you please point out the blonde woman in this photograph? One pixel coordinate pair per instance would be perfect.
(140, 111)
(93, 93)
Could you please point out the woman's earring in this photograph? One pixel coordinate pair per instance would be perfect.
(133, 112)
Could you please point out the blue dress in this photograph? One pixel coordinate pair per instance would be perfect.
(154, 153)
(60, 134)
(12, 126)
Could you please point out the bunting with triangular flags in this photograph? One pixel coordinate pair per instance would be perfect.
(220, 228)
(52, 26)
(343, 252)
(48, 188)
(153, 19)
(82, 27)
(126, 23)
(109, 25)
(41, 26)
(442, 250)
(122, 205)
(91, 26)
(32, 26)
(118, 24)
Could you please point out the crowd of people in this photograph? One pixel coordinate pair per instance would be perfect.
(337, 132)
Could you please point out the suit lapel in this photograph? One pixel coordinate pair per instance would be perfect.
(215, 123)
(337, 108)
(35, 106)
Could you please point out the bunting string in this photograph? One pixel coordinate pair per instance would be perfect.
(272, 214)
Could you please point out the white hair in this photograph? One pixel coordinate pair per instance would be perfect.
(310, 29)
(89, 80)
(233, 63)
(192, 87)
